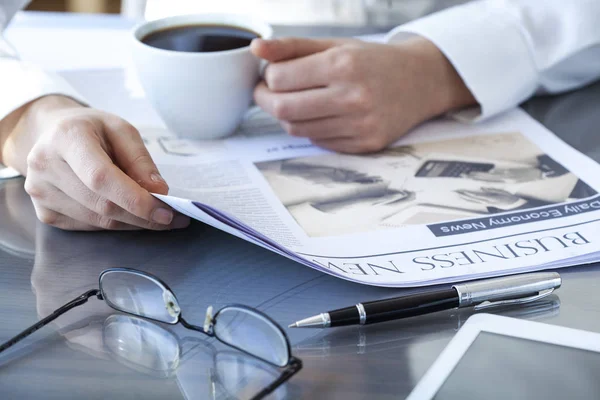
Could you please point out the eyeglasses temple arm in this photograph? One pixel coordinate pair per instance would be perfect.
(294, 366)
(72, 304)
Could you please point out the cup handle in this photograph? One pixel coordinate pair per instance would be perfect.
(262, 68)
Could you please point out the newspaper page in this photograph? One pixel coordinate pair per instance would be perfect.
(448, 202)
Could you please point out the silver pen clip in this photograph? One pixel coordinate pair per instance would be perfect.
(500, 303)
(506, 291)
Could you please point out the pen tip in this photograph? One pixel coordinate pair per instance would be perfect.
(293, 325)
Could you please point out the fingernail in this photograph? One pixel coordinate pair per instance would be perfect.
(180, 222)
(162, 216)
(157, 178)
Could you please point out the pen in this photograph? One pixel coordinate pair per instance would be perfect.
(510, 290)
(360, 341)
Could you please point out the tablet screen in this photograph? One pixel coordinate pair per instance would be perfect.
(505, 367)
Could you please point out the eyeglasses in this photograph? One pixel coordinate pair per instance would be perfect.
(144, 295)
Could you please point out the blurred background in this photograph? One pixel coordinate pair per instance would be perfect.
(284, 12)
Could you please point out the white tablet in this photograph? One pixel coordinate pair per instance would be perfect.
(493, 357)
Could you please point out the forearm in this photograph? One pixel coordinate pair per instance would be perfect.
(25, 86)
(508, 50)
(20, 130)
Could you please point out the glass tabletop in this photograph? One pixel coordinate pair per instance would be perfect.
(93, 353)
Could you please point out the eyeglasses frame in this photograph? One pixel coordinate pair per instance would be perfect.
(291, 368)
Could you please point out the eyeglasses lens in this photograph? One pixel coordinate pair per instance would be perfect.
(139, 294)
(252, 333)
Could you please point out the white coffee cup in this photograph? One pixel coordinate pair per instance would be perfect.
(198, 95)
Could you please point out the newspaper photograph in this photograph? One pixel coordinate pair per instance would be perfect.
(449, 202)
(430, 182)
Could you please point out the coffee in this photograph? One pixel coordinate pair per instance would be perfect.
(200, 38)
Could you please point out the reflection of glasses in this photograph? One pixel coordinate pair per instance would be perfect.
(138, 293)
(150, 349)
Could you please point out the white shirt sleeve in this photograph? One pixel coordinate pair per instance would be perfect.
(509, 50)
(20, 81)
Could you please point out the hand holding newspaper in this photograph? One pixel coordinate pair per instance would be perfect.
(449, 202)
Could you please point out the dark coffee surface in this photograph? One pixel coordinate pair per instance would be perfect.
(200, 38)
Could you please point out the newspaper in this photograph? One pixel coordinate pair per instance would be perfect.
(448, 202)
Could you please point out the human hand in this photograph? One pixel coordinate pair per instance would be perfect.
(352, 96)
(86, 169)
